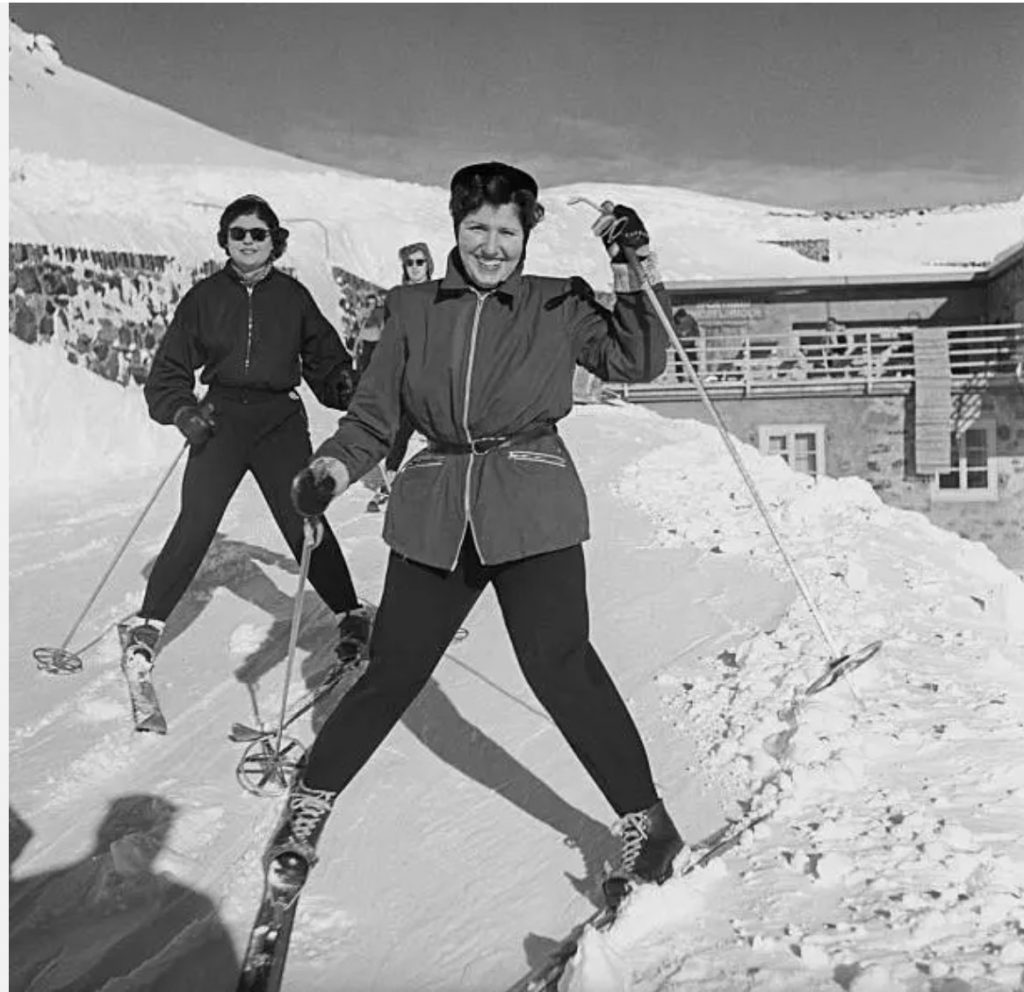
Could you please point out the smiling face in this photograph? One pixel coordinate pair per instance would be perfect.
(490, 242)
(249, 254)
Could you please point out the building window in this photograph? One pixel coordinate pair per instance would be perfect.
(802, 446)
(972, 475)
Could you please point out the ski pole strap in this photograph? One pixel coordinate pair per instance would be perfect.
(481, 445)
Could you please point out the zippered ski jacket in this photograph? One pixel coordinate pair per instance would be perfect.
(260, 337)
(467, 365)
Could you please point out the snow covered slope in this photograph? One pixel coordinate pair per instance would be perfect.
(95, 167)
(891, 861)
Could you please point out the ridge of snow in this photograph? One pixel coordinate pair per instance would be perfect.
(93, 166)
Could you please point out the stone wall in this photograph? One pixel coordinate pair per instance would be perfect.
(109, 310)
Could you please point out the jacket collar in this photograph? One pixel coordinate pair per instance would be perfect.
(456, 282)
(260, 276)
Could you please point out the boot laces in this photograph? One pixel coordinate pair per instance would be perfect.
(635, 829)
(309, 807)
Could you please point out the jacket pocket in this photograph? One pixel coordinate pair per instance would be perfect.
(537, 458)
(425, 463)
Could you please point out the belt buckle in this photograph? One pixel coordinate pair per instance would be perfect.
(481, 445)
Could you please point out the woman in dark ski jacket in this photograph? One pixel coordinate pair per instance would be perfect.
(253, 330)
(482, 363)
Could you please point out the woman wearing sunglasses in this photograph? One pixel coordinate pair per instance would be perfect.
(482, 363)
(252, 331)
(417, 267)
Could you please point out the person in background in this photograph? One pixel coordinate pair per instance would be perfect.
(417, 267)
(688, 332)
(253, 331)
(369, 332)
(839, 349)
(482, 363)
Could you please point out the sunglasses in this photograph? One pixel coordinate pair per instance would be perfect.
(258, 234)
(416, 261)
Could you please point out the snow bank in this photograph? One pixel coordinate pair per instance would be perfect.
(69, 427)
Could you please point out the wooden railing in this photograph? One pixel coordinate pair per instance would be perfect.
(862, 359)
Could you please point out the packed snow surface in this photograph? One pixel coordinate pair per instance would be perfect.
(890, 857)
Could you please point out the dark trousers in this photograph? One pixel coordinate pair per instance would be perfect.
(544, 602)
(269, 438)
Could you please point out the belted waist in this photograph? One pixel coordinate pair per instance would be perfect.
(481, 445)
(244, 394)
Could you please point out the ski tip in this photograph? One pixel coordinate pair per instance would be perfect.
(152, 725)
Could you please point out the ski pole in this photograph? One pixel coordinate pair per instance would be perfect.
(733, 452)
(312, 533)
(634, 264)
(60, 660)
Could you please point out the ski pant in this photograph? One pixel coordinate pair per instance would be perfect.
(266, 434)
(544, 603)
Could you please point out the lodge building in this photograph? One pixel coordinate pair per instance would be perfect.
(914, 383)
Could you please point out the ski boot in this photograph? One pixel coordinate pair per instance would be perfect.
(292, 850)
(650, 843)
(354, 634)
(139, 638)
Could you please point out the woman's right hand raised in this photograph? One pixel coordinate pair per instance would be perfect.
(317, 484)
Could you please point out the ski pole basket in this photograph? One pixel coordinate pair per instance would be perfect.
(268, 766)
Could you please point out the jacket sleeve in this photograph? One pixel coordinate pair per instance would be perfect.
(326, 365)
(366, 432)
(625, 344)
(171, 382)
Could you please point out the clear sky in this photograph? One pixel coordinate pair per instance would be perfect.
(810, 105)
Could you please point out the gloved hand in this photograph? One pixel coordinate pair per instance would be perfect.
(344, 388)
(620, 227)
(196, 423)
(316, 485)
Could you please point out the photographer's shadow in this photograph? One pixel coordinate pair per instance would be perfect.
(113, 919)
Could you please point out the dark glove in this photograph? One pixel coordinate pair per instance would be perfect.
(196, 423)
(313, 489)
(344, 388)
(620, 227)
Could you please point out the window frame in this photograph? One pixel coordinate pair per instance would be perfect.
(962, 494)
(766, 431)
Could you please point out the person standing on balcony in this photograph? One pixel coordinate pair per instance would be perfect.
(253, 331)
(482, 362)
(839, 349)
(688, 331)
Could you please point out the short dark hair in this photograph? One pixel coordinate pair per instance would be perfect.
(495, 183)
(253, 204)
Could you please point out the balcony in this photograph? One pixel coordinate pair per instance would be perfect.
(864, 360)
